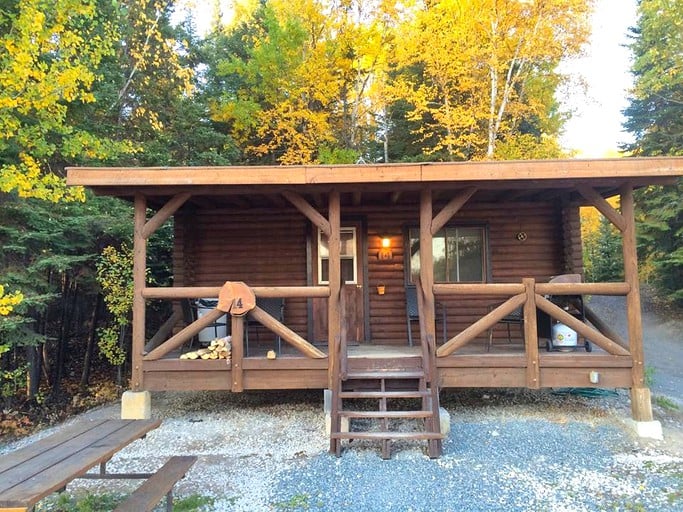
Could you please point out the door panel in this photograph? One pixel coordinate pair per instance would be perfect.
(353, 289)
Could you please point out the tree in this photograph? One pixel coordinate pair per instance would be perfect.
(480, 64)
(655, 118)
(48, 53)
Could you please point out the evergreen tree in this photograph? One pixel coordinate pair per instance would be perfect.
(655, 118)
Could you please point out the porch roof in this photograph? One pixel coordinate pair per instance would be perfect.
(528, 178)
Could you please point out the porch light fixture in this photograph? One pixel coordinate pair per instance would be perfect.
(384, 253)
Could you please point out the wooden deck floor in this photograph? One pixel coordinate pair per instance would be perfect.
(506, 365)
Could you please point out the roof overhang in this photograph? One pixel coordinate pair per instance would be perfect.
(605, 175)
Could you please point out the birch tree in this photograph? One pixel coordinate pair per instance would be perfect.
(474, 61)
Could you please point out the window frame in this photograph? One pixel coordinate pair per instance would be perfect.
(485, 259)
(353, 257)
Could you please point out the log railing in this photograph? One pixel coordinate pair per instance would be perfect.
(531, 296)
(155, 349)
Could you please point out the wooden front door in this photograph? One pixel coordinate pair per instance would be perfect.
(353, 288)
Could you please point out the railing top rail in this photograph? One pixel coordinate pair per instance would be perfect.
(583, 288)
(478, 289)
(510, 289)
(195, 292)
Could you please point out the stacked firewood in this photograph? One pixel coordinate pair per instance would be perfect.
(220, 348)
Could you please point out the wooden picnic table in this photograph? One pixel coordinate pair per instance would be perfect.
(35, 471)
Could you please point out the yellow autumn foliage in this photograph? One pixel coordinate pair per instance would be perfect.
(8, 301)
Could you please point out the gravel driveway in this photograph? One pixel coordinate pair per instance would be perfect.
(662, 341)
(507, 451)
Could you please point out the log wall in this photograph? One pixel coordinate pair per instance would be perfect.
(270, 248)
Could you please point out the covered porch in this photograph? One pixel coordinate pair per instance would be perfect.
(385, 201)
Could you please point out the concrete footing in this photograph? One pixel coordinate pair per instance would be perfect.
(647, 429)
(327, 409)
(136, 405)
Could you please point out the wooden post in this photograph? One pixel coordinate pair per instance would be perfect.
(139, 271)
(533, 372)
(641, 406)
(333, 315)
(427, 261)
(237, 355)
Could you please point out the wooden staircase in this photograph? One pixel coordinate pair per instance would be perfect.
(402, 391)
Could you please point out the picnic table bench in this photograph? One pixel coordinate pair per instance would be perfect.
(48, 465)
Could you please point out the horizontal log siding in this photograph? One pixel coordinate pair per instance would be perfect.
(270, 249)
(540, 257)
(261, 249)
(573, 246)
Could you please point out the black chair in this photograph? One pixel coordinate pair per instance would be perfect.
(275, 307)
(413, 314)
(514, 318)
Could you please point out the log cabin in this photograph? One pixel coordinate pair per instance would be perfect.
(390, 281)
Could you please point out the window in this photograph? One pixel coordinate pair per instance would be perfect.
(348, 257)
(459, 254)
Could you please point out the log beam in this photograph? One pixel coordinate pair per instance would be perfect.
(602, 206)
(305, 207)
(286, 333)
(641, 407)
(601, 326)
(481, 325)
(451, 209)
(335, 283)
(492, 289)
(237, 354)
(164, 331)
(185, 335)
(584, 330)
(427, 262)
(583, 288)
(194, 292)
(139, 273)
(164, 214)
(533, 371)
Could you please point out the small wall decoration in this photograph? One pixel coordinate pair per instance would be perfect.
(521, 236)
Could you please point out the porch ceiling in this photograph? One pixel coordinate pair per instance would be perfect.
(377, 185)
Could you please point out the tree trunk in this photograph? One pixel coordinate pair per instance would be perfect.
(33, 356)
(69, 294)
(90, 347)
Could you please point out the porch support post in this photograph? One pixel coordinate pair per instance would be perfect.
(533, 371)
(333, 314)
(139, 267)
(237, 353)
(641, 405)
(427, 260)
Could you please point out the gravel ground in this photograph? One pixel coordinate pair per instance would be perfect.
(662, 341)
(507, 451)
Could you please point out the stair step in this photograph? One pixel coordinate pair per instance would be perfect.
(386, 414)
(384, 394)
(386, 434)
(385, 374)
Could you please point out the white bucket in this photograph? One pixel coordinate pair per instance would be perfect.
(563, 336)
(218, 329)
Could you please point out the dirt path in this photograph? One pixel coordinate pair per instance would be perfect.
(663, 342)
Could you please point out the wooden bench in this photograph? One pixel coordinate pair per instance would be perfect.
(48, 465)
(157, 486)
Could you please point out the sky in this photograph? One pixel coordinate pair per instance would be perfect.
(594, 129)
